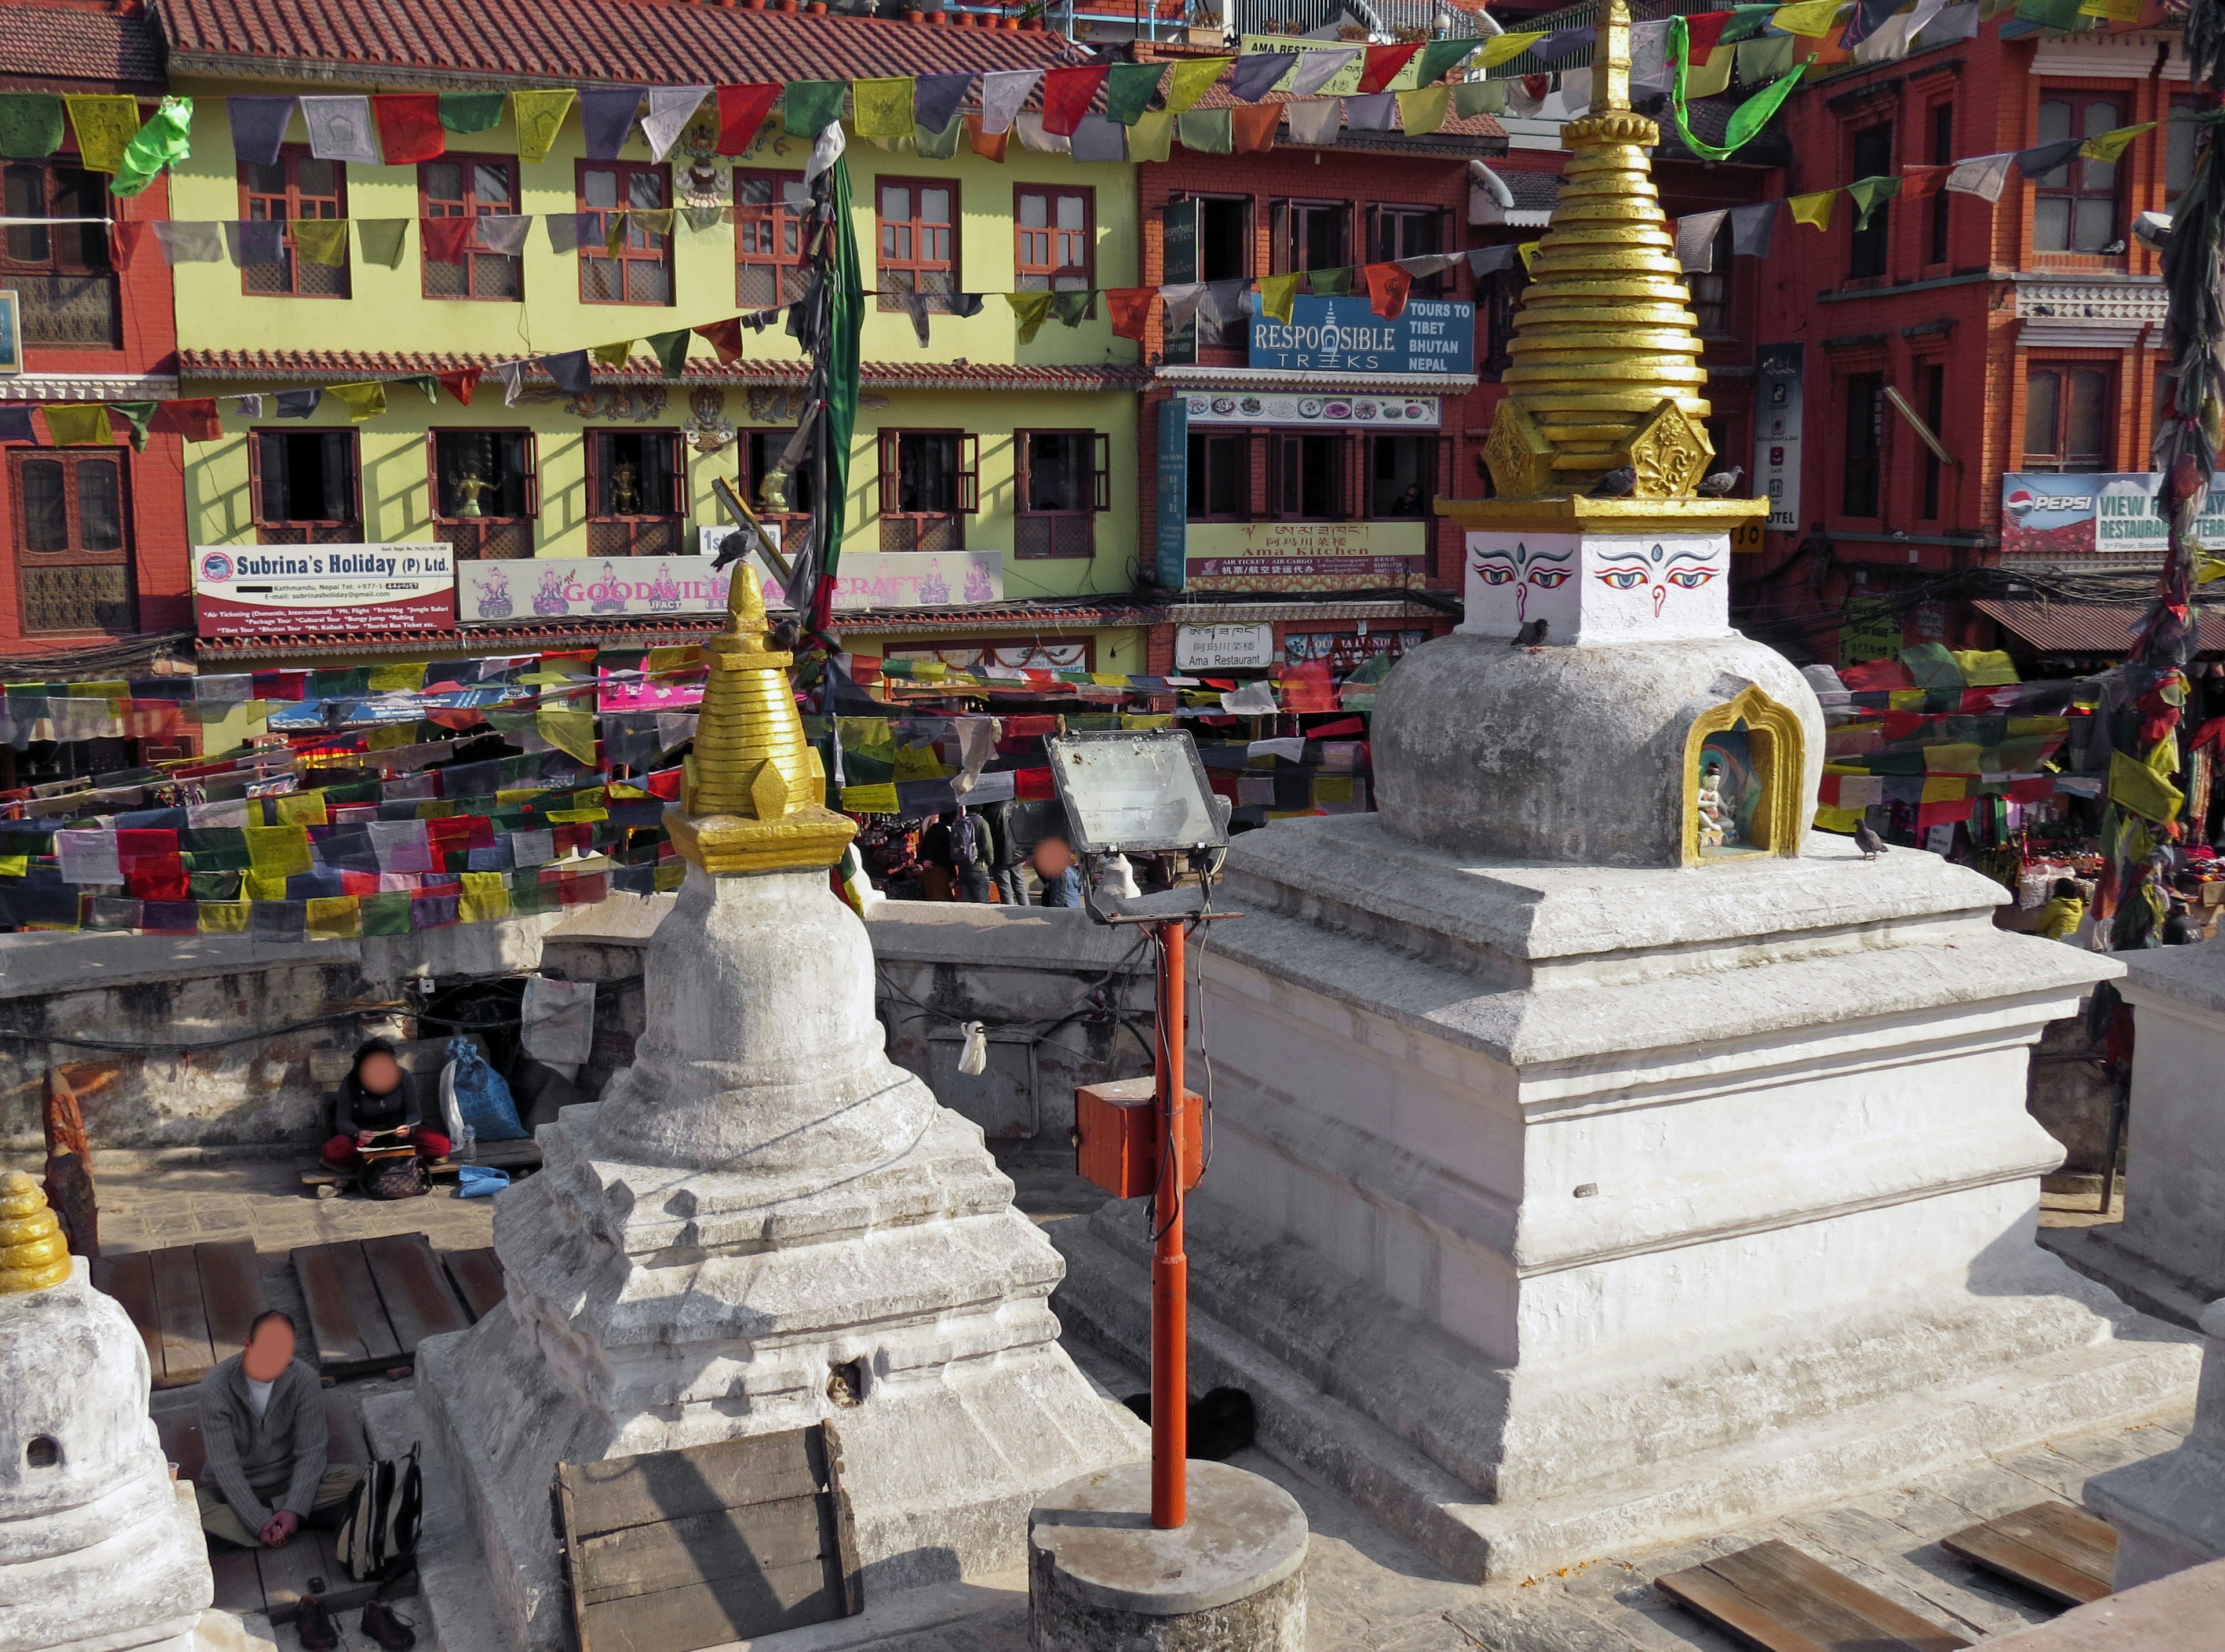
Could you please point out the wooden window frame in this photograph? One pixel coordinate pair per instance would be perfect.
(42, 281)
(475, 208)
(1339, 475)
(1284, 245)
(887, 267)
(1875, 377)
(751, 479)
(28, 560)
(1874, 245)
(788, 273)
(2059, 462)
(472, 535)
(2075, 174)
(1433, 445)
(635, 248)
(1243, 443)
(1381, 214)
(308, 527)
(290, 157)
(677, 501)
(1048, 274)
(1940, 128)
(1078, 540)
(897, 523)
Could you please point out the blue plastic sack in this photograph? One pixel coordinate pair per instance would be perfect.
(481, 1098)
(479, 1181)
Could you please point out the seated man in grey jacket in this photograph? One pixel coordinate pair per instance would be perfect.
(262, 1425)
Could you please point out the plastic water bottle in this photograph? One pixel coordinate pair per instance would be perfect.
(471, 1145)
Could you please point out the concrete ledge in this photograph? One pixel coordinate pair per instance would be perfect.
(2101, 1253)
(933, 932)
(2180, 1613)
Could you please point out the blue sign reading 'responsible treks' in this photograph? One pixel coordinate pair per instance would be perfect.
(1344, 335)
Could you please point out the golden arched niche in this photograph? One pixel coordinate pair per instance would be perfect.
(1743, 761)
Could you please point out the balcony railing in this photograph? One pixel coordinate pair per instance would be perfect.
(69, 312)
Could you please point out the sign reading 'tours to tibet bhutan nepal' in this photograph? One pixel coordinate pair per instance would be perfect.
(315, 589)
(1344, 335)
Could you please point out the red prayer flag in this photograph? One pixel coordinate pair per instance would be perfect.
(124, 238)
(1536, 87)
(1306, 686)
(1251, 127)
(447, 240)
(462, 383)
(2037, 790)
(1915, 182)
(990, 146)
(1383, 64)
(665, 783)
(1032, 785)
(1874, 676)
(1129, 308)
(1955, 812)
(724, 337)
(195, 418)
(742, 109)
(1387, 287)
(1702, 32)
(1066, 94)
(410, 128)
(1354, 727)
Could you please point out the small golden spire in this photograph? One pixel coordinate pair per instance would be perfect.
(1606, 353)
(33, 1256)
(751, 799)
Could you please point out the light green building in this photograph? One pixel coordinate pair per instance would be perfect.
(996, 475)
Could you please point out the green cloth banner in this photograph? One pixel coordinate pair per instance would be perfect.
(471, 112)
(165, 139)
(1129, 89)
(846, 314)
(809, 107)
(31, 124)
(1748, 118)
(1869, 194)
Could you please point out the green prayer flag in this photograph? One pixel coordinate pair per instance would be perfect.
(388, 912)
(614, 234)
(809, 107)
(1278, 296)
(1072, 308)
(165, 140)
(429, 387)
(1761, 61)
(1152, 138)
(670, 350)
(869, 750)
(471, 112)
(1479, 97)
(1748, 118)
(1029, 310)
(1129, 89)
(1440, 57)
(1746, 24)
(321, 240)
(137, 415)
(31, 124)
(1329, 283)
(1868, 193)
(938, 146)
(2111, 146)
(381, 238)
(883, 106)
(1207, 131)
(2051, 14)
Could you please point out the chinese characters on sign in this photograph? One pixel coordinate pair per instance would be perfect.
(1305, 555)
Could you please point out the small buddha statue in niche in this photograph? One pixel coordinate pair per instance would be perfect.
(467, 488)
(1717, 825)
(625, 489)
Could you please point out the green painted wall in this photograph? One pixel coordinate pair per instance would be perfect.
(387, 313)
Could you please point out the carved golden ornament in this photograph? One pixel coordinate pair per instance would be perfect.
(1670, 454)
(1520, 457)
(750, 799)
(33, 1256)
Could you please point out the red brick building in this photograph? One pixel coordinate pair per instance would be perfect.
(95, 536)
(2025, 333)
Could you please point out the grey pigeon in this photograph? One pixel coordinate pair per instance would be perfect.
(1869, 842)
(1617, 484)
(1530, 636)
(1721, 482)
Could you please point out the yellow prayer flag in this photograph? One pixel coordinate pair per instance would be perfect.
(220, 917)
(1954, 757)
(1152, 136)
(567, 817)
(1504, 48)
(334, 917)
(540, 116)
(485, 897)
(1813, 18)
(2117, 12)
(1187, 83)
(1147, 719)
(263, 886)
(1529, 252)
(869, 800)
(363, 400)
(278, 850)
(1838, 820)
(1986, 667)
(1424, 110)
(1946, 788)
(1278, 297)
(613, 355)
(1906, 699)
(322, 240)
(106, 124)
(79, 425)
(2111, 146)
(571, 731)
(399, 676)
(14, 865)
(1713, 77)
(1814, 209)
(882, 108)
(300, 808)
(2134, 786)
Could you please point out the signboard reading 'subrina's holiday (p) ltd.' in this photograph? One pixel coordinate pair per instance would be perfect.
(320, 590)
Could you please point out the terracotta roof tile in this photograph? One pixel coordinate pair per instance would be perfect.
(327, 366)
(61, 47)
(651, 42)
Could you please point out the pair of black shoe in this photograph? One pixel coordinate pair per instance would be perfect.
(393, 1632)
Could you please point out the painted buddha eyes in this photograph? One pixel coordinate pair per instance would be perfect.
(1493, 574)
(1622, 578)
(1691, 579)
(1548, 579)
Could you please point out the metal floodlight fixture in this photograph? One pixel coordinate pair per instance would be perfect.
(1135, 791)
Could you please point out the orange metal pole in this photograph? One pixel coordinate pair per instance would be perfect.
(1169, 1266)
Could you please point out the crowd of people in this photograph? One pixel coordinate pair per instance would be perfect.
(1002, 853)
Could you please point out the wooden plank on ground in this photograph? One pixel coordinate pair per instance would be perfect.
(417, 1300)
(477, 1276)
(347, 1321)
(286, 1574)
(677, 1551)
(1773, 1596)
(180, 1315)
(232, 1291)
(2051, 1548)
(238, 1583)
(130, 1281)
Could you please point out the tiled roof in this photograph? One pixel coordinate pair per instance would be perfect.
(329, 366)
(2067, 627)
(61, 47)
(393, 43)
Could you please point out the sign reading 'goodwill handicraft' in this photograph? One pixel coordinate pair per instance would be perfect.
(563, 588)
(315, 589)
(1344, 335)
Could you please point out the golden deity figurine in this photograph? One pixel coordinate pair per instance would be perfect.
(33, 1256)
(752, 800)
(1605, 369)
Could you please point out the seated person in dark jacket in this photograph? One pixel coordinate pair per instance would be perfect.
(262, 1425)
(376, 1099)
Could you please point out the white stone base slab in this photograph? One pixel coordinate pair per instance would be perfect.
(2170, 1511)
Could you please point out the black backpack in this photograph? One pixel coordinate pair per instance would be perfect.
(384, 1515)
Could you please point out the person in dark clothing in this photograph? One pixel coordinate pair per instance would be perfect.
(262, 1425)
(1061, 879)
(938, 874)
(376, 1100)
(973, 845)
(1007, 874)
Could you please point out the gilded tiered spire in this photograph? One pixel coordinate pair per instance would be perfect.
(752, 801)
(32, 1254)
(1606, 354)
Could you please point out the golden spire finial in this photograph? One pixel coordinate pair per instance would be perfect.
(751, 799)
(1606, 354)
(33, 1256)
